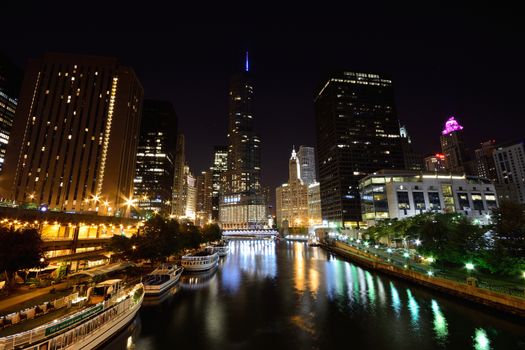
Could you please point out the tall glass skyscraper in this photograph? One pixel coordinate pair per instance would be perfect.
(220, 165)
(155, 170)
(242, 204)
(306, 157)
(357, 134)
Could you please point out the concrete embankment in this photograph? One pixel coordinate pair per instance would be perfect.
(499, 301)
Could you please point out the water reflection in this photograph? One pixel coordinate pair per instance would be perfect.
(414, 309)
(481, 340)
(396, 302)
(267, 295)
(440, 323)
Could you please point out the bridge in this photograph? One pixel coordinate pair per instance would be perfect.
(260, 233)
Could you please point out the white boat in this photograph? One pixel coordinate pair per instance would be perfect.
(222, 248)
(161, 279)
(200, 261)
(109, 308)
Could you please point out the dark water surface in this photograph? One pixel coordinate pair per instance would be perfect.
(283, 295)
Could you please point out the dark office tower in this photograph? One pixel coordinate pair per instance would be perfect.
(413, 160)
(453, 147)
(204, 198)
(155, 169)
(10, 80)
(486, 167)
(242, 204)
(220, 165)
(306, 157)
(435, 162)
(75, 135)
(357, 134)
(179, 197)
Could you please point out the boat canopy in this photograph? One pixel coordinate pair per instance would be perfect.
(102, 270)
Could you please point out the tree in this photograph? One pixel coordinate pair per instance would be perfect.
(19, 249)
(211, 233)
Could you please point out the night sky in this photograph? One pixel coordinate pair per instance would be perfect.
(462, 61)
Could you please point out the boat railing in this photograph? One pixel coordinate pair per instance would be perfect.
(39, 333)
(37, 310)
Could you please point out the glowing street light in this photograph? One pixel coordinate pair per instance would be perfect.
(430, 260)
(418, 242)
(469, 266)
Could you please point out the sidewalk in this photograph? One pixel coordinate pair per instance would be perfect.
(19, 301)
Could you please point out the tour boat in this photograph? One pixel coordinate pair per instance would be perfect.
(200, 261)
(198, 280)
(221, 248)
(161, 279)
(106, 309)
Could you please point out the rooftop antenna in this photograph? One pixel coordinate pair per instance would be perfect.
(247, 63)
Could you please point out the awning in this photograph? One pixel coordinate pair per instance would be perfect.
(102, 270)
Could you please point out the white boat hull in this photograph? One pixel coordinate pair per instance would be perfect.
(154, 290)
(107, 331)
(200, 267)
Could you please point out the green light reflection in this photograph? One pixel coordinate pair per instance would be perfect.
(481, 341)
(371, 288)
(414, 308)
(440, 323)
(396, 302)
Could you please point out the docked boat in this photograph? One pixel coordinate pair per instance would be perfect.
(200, 261)
(161, 279)
(80, 322)
(222, 248)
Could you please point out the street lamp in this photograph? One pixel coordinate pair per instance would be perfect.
(406, 255)
(469, 266)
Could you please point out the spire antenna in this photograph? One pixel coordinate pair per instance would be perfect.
(247, 63)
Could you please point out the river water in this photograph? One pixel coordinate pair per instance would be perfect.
(286, 295)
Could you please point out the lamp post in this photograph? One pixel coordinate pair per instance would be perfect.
(406, 255)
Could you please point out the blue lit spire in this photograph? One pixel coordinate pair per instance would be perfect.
(247, 63)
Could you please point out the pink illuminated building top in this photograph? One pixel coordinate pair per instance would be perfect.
(451, 125)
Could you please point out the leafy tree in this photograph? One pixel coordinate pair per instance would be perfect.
(211, 233)
(19, 249)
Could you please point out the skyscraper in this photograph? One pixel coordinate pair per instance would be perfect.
(242, 204)
(10, 80)
(204, 198)
(412, 159)
(220, 165)
(292, 197)
(486, 168)
(453, 147)
(75, 135)
(179, 197)
(357, 134)
(509, 159)
(306, 157)
(155, 169)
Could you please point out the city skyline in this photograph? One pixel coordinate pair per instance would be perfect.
(288, 72)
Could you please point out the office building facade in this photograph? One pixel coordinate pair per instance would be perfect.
(435, 162)
(75, 135)
(357, 134)
(155, 169)
(509, 160)
(306, 157)
(400, 194)
(219, 167)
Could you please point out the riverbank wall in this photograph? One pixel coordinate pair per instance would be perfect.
(498, 301)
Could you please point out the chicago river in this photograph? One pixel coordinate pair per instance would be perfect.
(277, 295)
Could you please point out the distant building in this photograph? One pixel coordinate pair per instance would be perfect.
(204, 198)
(10, 80)
(457, 159)
(306, 157)
(314, 204)
(292, 197)
(389, 194)
(435, 162)
(74, 138)
(219, 167)
(179, 197)
(412, 159)
(189, 194)
(357, 133)
(155, 169)
(509, 159)
(486, 167)
(242, 203)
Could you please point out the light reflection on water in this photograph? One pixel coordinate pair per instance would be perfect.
(268, 295)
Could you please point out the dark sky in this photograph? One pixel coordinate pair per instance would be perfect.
(466, 61)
